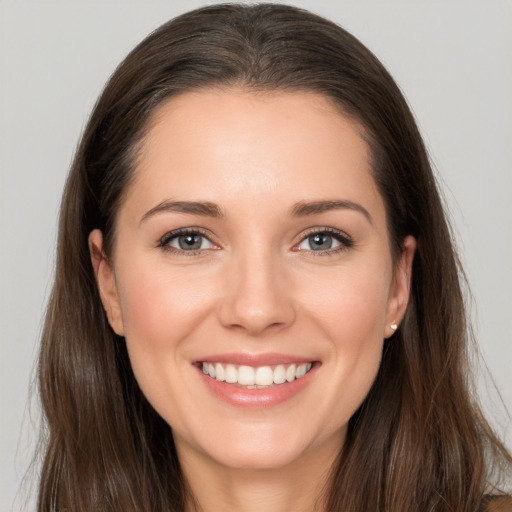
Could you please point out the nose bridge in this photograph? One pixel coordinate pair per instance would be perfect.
(256, 295)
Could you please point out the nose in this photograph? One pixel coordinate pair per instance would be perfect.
(257, 295)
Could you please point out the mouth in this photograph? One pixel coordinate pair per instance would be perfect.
(255, 377)
(256, 380)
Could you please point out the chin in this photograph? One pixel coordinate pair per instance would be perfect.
(257, 457)
(264, 446)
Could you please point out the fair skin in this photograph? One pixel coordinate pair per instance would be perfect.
(284, 263)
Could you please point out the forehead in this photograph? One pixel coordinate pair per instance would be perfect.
(216, 145)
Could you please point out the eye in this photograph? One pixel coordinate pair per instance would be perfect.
(186, 241)
(325, 241)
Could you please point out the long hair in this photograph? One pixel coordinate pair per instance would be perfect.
(418, 441)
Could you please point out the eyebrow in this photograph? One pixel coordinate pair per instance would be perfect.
(302, 209)
(206, 209)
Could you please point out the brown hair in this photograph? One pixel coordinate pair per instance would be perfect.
(418, 442)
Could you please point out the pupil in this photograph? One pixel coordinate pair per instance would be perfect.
(188, 242)
(320, 241)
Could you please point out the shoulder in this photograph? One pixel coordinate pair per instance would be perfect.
(496, 504)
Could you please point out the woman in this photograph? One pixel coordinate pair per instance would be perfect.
(257, 304)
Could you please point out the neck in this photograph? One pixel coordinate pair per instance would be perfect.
(300, 486)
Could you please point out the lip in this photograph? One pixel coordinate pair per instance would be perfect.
(255, 360)
(256, 398)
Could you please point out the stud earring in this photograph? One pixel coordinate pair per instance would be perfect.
(393, 325)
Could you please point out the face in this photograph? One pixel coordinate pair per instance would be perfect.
(252, 275)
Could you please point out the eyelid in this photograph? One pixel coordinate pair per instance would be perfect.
(345, 240)
(163, 242)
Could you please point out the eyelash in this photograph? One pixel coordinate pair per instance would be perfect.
(344, 240)
(168, 237)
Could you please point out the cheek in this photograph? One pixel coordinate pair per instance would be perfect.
(161, 314)
(352, 317)
(351, 305)
(160, 309)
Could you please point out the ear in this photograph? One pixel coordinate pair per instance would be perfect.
(400, 289)
(105, 281)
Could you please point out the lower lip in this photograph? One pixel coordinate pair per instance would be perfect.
(262, 398)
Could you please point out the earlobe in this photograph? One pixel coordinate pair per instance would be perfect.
(105, 281)
(399, 298)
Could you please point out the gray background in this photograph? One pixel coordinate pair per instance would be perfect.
(453, 60)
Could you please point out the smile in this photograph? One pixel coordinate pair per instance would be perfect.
(260, 377)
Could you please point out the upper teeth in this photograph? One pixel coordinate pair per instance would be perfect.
(259, 376)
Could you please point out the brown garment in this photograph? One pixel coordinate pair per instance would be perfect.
(496, 504)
